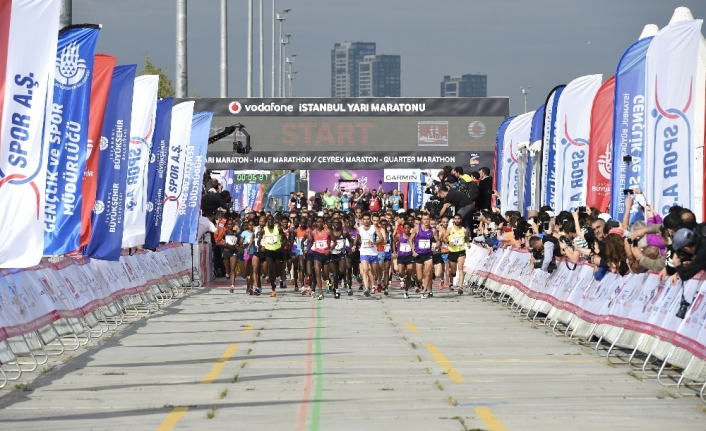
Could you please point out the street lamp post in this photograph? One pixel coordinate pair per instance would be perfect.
(291, 81)
(290, 62)
(285, 41)
(250, 30)
(280, 16)
(525, 92)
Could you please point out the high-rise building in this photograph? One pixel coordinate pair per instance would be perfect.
(379, 76)
(465, 86)
(345, 59)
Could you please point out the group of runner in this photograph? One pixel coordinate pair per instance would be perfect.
(330, 250)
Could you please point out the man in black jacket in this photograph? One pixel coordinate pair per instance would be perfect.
(486, 190)
(212, 201)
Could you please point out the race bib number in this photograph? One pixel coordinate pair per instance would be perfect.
(405, 248)
(271, 239)
(340, 244)
(367, 243)
(387, 248)
(424, 244)
(320, 245)
(230, 239)
(457, 241)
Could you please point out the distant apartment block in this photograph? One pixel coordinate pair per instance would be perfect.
(356, 71)
(465, 86)
(379, 76)
(345, 61)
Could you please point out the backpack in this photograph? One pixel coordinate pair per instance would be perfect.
(470, 189)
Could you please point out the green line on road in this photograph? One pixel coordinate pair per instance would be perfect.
(316, 410)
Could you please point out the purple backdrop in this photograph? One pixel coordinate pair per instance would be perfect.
(321, 180)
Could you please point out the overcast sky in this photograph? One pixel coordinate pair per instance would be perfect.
(540, 43)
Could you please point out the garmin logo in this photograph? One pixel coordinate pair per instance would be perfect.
(402, 175)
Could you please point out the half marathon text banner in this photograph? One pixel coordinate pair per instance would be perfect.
(313, 160)
(439, 106)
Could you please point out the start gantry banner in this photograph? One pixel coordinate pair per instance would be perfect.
(26, 84)
(66, 138)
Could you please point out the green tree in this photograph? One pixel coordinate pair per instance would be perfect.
(165, 84)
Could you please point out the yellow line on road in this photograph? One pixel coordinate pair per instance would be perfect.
(220, 363)
(455, 376)
(248, 328)
(172, 418)
(412, 328)
(175, 416)
(489, 419)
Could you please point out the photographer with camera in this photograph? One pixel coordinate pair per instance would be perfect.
(689, 246)
(462, 205)
(544, 250)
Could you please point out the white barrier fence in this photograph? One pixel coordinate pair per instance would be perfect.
(53, 307)
(632, 313)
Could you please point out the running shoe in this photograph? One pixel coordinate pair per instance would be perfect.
(360, 287)
(416, 290)
(431, 294)
(337, 294)
(406, 295)
(451, 287)
(320, 296)
(296, 288)
(385, 291)
(227, 276)
(379, 287)
(232, 289)
(402, 284)
(257, 292)
(350, 292)
(460, 290)
(282, 285)
(249, 291)
(304, 291)
(441, 286)
(273, 294)
(366, 292)
(424, 296)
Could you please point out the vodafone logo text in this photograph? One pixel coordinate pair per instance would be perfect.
(235, 107)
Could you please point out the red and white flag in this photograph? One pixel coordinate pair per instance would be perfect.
(28, 40)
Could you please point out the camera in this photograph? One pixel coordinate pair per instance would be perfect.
(476, 216)
(545, 226)
(582, 209)
(628, 192)
(683, 308)
(552, 267)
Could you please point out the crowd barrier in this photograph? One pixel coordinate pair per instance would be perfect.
(633, 318)
(58, 306)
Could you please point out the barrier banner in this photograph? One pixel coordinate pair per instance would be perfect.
(629, 125)
(158, 172)
(671, 72)
(500, 153)
(601, 149)
(517, 132)
(35, 297)
(26, 84)
(187, 221)
(144, 110)
(66, 138)
(548, 185)
(637, 302)
(100, 86)
(532, 178)
(108, 211)
(573, 125)
(180, 135)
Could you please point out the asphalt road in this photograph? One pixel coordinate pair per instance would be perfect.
(216, 360)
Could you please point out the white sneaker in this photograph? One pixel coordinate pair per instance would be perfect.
(406, 295)
(424, 296)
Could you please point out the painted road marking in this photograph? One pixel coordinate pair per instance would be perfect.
(412, 328)
(316, 410)
(304, 407)
(248, 328)
(172, 418)
(489, 419)
(220, 363)
(455, 376)
(175, 416)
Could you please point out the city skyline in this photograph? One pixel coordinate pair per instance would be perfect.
(518, 43)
